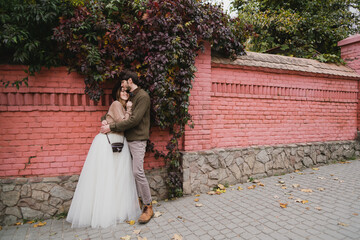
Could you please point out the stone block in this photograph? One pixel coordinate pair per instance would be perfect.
(46, 187)
(62, 193)
(262, 157)
(213, 161)
(25, 191)
(11, 198)
(307, 162)
(53, 201)
(187, 188)
(15, 211)
(10, 220)
(21, 180)
(29, 213)
(40, 195)
(259, 167)
(8, 187)
(51, 180)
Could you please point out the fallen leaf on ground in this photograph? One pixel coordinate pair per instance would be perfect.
(166, 200)
(331, 174)
(318, 208)
(127, 237)
(297, 170)
(197, 195)
(40, 224)
(336, 178)
(307, 190)
(140, 238)
(0, 228)
(283, 187)
(154, 202)
(261, 184)
(298, 200)
(291, 197)
(355, 214)
(137, 231)
(157, 214)
(177, 237)
(132, 222)
(53, 233)
(221, 186)
(196, 199)
(282, 182)
(296, 185)
(252, 187)
(179, 217)
(304, 201)
(18, 223)
(198, 205)
(256, 181)
(211, 193)
(307, 208)
(283, 205)
(320, 189)
(276, 196)
(301, 173)
(315, 168)
(321, 178)
(343, 224)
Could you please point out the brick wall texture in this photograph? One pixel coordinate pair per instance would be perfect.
(47, 128)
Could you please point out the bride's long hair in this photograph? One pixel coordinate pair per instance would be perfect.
(118, 97)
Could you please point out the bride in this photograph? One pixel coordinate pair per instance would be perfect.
(106, 192)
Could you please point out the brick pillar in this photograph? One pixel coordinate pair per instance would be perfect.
(199, 137)
(350, 52)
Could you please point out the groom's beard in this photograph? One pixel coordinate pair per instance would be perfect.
(127, 89)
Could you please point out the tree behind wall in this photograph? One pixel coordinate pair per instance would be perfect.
(307, 29)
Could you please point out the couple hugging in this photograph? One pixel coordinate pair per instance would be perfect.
(110, 182)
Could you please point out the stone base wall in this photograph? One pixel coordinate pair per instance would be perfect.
(44, 198)
(203, 170)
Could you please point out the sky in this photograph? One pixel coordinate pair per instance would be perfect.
(226, 5)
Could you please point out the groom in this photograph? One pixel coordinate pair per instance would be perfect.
(136, 130)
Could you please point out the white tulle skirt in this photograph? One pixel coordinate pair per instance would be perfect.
(106, 192)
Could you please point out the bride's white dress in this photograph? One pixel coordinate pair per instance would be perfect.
(106, 192)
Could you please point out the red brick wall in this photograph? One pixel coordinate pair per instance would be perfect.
(235, 106)
(271, 108)
(350, 52)
(47, 129)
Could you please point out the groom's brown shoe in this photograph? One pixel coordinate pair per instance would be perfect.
(147, 214)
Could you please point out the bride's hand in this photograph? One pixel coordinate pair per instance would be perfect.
(129, 105)
(105, 129)
(104, 122)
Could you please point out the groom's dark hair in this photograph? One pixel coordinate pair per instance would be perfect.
(129, 74)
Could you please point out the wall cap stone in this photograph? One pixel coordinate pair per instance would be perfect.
(350, 40)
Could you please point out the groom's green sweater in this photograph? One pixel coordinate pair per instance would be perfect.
(137, 126)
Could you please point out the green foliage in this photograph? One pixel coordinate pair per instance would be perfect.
(26, 32)
(307, 29)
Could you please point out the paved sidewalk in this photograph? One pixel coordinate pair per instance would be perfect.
(332, 212)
